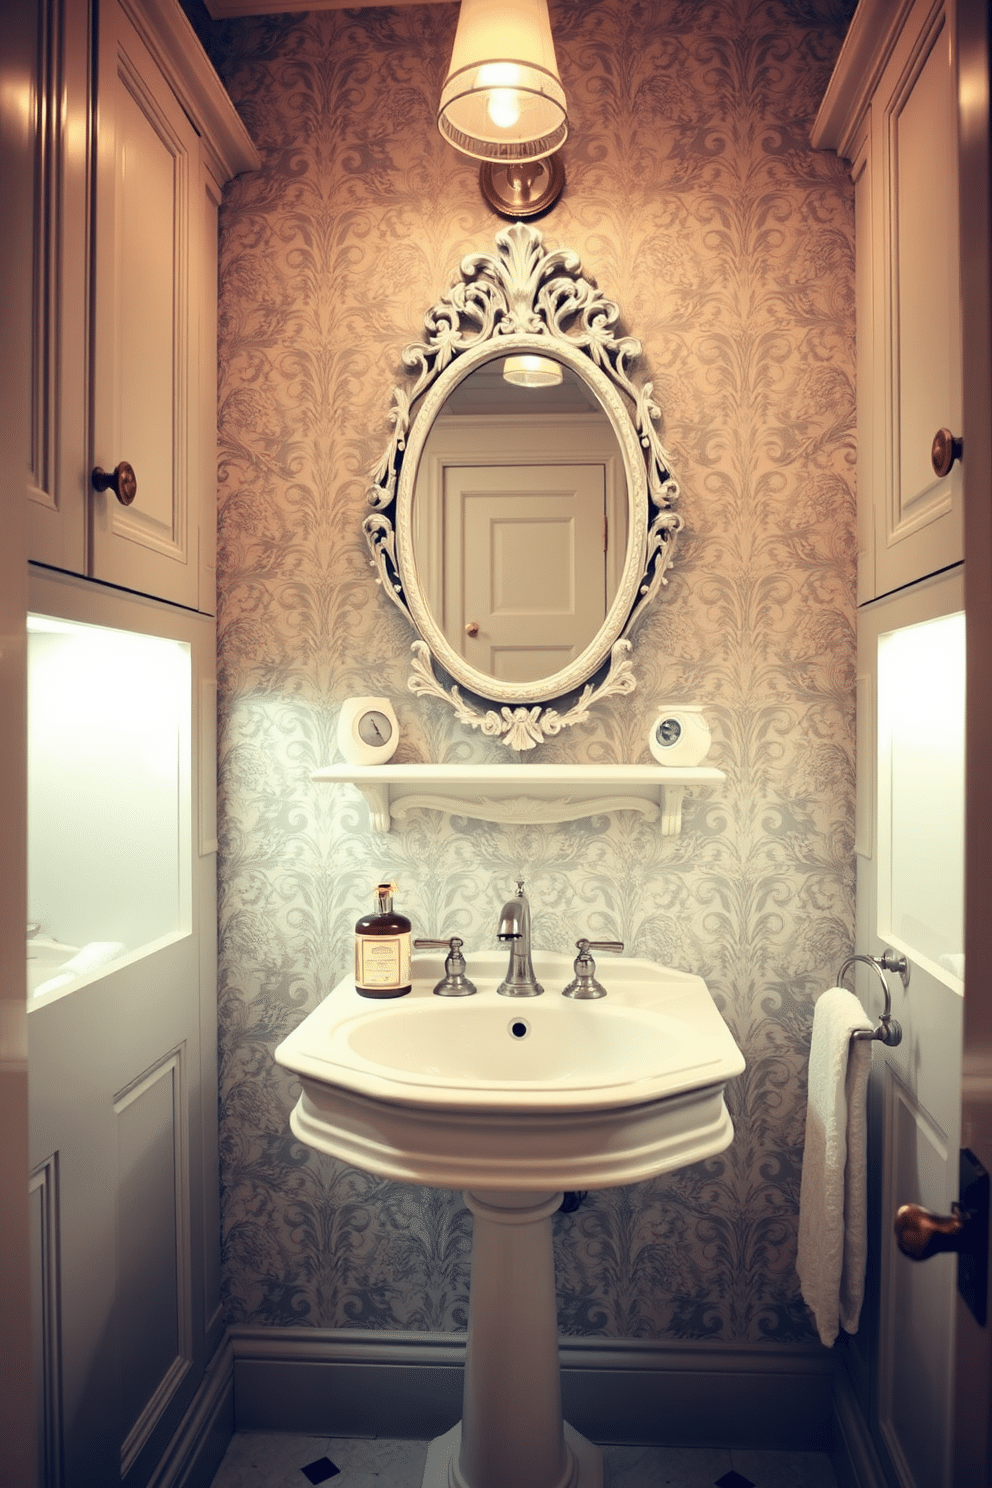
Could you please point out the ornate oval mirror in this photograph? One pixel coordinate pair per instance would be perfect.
(523, 518)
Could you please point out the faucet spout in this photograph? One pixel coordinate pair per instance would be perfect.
(514, 930)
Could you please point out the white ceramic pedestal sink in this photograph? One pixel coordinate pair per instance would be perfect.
(515, 1100)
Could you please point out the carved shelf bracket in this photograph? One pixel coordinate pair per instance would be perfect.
(521, 794)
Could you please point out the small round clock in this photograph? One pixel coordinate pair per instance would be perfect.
(368, 732)
(680, 736)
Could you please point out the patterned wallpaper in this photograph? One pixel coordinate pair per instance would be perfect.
(694, 200)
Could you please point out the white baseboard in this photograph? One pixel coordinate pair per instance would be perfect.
(352, 1382)
(356, 1383)
(193, 1455)
(855, 1460)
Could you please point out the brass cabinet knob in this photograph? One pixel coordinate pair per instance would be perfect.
(920, 1234)
(944, 451)
(121, 480)
(472, 628)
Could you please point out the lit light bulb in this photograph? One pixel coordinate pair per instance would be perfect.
(503, 108)
(503, 101)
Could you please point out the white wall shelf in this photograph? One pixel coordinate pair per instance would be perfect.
(521, 793)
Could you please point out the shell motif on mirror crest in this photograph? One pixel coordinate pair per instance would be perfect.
(523, 300)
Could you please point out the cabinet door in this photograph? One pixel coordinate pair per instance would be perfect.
(59, 288)
(911, 898)
(145, 329)
(203, 429)
(917, 343)
(121, 1078)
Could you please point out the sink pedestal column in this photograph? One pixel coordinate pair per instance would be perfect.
(511, 1432)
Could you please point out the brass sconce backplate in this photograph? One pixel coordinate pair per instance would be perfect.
(522, 189)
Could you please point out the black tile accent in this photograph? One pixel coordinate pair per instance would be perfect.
(734, 1479)
(324, 1468)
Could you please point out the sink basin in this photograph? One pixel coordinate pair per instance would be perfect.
(493, 1052)
(529, 1094)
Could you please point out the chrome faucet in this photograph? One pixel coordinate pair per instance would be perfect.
(514, 927)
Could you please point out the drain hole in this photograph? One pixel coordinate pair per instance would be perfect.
(519, 1028)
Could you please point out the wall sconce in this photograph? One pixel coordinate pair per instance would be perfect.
(503, 103)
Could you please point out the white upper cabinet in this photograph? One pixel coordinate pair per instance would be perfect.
(59, 428)
(163, 139)
(144, 352)
(167, 139)
(890, 110)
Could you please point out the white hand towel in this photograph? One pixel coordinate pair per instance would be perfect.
(93, 955)
(90, 958)
(833, 1202)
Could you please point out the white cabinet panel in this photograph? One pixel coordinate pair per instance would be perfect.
(917, 1301)
(203, 399)
(911, 652)
(122, 1060)
(153, 1246)
(148, 167)
(870, 407)
(891, 111)
(43, 1190)
(918, 515)
(134, 140)
(58, 482)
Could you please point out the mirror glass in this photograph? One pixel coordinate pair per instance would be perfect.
(519, 519)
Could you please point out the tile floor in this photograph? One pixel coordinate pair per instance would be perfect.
(282, 1460)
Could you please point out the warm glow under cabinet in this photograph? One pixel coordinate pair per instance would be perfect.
(521, 794)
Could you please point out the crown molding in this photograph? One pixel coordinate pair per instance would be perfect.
(867, 47)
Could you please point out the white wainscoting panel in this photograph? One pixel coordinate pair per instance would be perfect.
(43, 1188)
(155, 1323)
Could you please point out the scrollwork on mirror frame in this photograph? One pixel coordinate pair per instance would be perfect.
(525, 289)
(522, 727)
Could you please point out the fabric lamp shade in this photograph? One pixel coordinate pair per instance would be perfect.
(532, 372)
(502, 99)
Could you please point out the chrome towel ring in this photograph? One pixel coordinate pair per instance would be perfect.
(888, 1031)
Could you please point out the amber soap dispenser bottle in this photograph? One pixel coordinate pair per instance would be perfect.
(382, 949)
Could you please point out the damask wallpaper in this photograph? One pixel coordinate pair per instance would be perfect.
(694, 200)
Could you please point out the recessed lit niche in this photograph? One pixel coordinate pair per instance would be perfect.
(921, 722)
(108, 799)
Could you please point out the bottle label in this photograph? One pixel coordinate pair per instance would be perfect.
(382, 960)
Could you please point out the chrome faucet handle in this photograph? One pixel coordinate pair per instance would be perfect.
(584, 984)
(454, 983)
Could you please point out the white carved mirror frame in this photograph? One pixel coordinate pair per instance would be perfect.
(525, 298)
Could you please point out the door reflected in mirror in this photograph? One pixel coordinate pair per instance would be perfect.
(520, 522)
